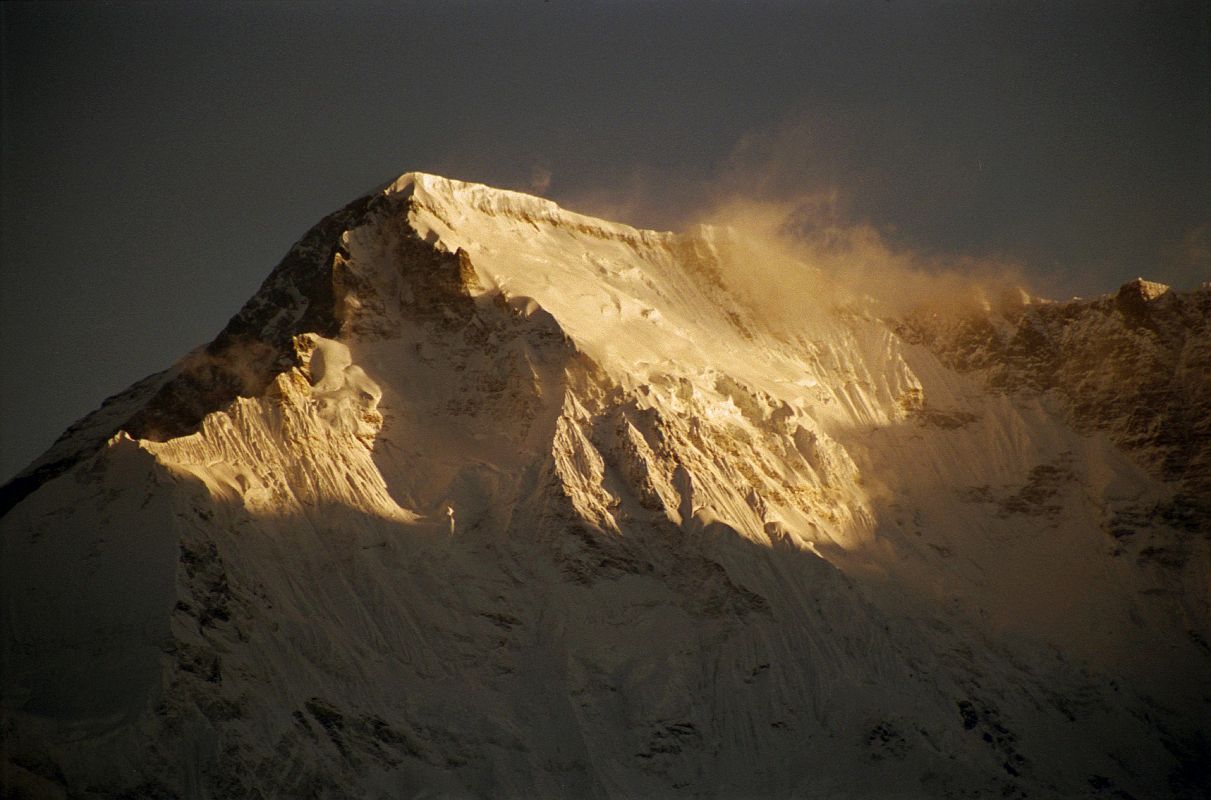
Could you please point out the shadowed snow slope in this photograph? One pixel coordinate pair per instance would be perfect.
(478, 497)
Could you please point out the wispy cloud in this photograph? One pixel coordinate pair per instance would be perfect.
(540, 179)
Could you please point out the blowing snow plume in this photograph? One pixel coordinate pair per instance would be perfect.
(790, 261)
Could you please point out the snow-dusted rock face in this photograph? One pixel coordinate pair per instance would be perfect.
(1135, 364)
(480, 497)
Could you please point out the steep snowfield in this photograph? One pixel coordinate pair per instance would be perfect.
(481, 497)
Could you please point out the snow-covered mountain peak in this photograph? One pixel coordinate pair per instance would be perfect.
(478, 496)
(1142, 289)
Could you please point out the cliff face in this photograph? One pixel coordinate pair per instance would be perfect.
(480, 497)
(1135, 364)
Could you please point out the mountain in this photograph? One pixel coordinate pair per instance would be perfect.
(478, 497)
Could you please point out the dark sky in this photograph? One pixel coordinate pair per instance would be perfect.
(159, 158)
